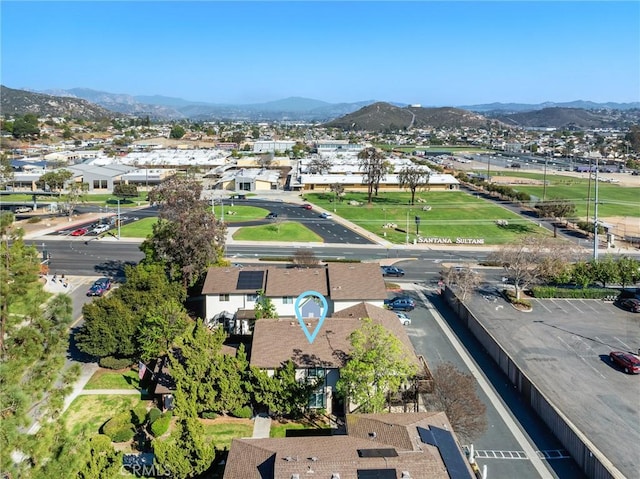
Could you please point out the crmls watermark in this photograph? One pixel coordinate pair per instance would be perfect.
(143, 470)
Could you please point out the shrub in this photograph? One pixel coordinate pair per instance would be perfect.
(110, 362)
(511, 297)
(153, 414)
(34, 219)
(119, 428)
(209, 415)
(161, 425)
(582, 293)
(243, 412)
(139, 414)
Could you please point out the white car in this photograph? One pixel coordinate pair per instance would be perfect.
(325, 215)
(100, 229)
(404, 319)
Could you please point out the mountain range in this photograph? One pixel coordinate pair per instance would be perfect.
(370, 115)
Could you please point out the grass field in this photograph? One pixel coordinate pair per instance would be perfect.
(91, 412)
(236, 214)
(285, 231)
(613, 199)
(279, 429)
(453, 214)
(138, 229)
(107, 379)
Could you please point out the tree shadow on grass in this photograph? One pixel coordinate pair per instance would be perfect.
(518, 229)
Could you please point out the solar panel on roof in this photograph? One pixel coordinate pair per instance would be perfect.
(379, 452)
(250, 280)
(377, 474)
(451, 455)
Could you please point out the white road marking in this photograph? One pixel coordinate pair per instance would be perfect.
(623, 343)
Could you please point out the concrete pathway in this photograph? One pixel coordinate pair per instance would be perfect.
(261, 426)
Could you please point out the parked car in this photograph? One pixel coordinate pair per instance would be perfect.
(272, 216)
(630, 304)
(307, 207)
(79, 232)
(392, 271)
(326, 215)
(400, 303)
(404, 319)
(629, 363)
(99, 287)
(22, 209)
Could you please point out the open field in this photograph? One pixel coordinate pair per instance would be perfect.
(452, 214)
(222, 430)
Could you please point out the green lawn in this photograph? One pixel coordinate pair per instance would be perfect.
(236, 214)
(613, 199)
(91, 412)
(453, 214)
(284, 231)
(138, 229)
(279, 429)
(106, 379)
(221, 433)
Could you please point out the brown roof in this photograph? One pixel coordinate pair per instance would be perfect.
(326, 455)
(277, 340)
(339, 281)
(359, 281)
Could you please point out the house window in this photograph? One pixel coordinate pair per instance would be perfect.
(287, 300)
(316, 398)
(252, 298)
(316, 373)
(223, 297)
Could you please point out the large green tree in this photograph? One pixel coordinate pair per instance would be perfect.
(188, 238)
(377, 364)
(186, 453)
(55, 180)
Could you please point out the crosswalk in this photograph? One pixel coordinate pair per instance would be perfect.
(547, 455)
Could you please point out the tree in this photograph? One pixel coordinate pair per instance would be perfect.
(265, 161)
(532, 259)
(412, 178)
(377, 364)
(104, 462)
(206, 379)
(123, 190)
(465, 279)
(319, 166)
(264, 307)
(55, 180)
(605, 270)
(6, 171)
(177, 132)
(160, 328)
(581, 274)
(556, 208)
(338, 190)
(186, 453)
(112, 323)
(374, 169)
(628, 270)
(188, 238)
(26, 126)
(76, 194)
(304, 258)
(454, 392)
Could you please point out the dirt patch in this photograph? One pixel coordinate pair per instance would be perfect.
(514, 180)
(623, 225)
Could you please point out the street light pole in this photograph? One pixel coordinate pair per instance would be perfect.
(118, 218)
(407, 229)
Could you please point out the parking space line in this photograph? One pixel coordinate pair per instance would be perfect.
(558, 306)
(542, 304)
(622, 342)
(573, 303)
(589, 304)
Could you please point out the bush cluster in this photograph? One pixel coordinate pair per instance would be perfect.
(502, 190)
(119, 428)
(511, 297)
(161, 425)
(153, 414)
(139, 414)
(244, 412)
(560, 292)
(209, 415)
(110, 362)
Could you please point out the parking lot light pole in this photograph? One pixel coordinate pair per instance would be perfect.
(118, 220)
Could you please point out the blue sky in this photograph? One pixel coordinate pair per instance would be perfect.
(433, 53)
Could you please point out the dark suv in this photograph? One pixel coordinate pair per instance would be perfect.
(631, 304)
(400, 303)
(392, 271)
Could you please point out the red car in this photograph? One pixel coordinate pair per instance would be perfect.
(629, 363)
(307, 207)
(79, 232)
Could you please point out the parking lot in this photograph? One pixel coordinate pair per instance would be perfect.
(563, 345)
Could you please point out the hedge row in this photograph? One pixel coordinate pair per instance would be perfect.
(244, 412)
(119, 427)
(586, 293)
(110, 362)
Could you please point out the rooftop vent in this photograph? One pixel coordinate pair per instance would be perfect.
(372, 435)
(288, 458)
(295, 476)
(313, 458)
(405, 475)
(335, 475)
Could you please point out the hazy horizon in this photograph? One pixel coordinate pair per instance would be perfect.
(415, 52)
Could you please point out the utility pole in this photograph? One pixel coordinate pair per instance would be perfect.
(595, 218)
(118, 218)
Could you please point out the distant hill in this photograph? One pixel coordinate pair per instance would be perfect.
(570, 118)
(386, 117)
(523, 107)
(20, 102)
